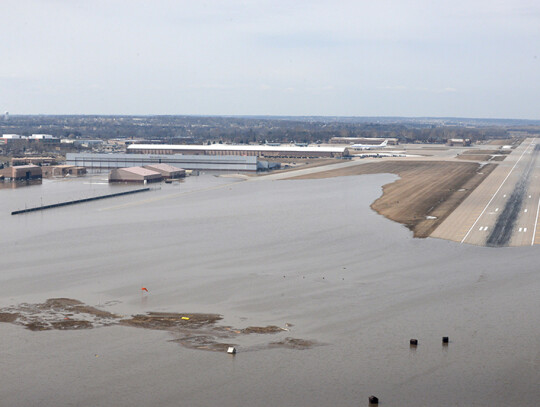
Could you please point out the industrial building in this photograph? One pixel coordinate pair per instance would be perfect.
(34, 160)
(188, 162)
(21, 172)
(458, 142)
(134, 174)
(392, 141)
(82, 142)
(240, 150)
(42, 137)
(167, 171)
(62, 171)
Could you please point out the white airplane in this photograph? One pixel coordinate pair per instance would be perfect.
(369, 146)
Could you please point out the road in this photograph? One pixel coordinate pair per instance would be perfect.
(503, 210)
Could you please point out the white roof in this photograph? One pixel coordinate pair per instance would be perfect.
(42, 136)
(140, 171)
(11, 136)
(234, 147)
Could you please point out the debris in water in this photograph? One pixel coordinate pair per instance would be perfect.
(373, 400)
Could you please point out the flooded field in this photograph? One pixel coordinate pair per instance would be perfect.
(325, 295)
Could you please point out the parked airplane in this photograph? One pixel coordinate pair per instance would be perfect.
(369, 146)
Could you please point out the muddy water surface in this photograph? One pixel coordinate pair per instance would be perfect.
(307, 256)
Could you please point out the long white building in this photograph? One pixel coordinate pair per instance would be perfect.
(241, 150)
(188, 162)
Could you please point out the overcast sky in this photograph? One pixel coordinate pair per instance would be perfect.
(231, 57)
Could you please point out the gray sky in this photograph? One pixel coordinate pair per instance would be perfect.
(362, 58)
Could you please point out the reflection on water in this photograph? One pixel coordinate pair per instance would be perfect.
(19, 184)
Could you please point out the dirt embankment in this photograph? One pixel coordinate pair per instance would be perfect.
(426, 194)
(192, 330)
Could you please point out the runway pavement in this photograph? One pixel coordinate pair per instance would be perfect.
(503, 210)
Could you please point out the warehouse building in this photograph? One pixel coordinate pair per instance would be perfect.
(188, 162)
(21, 172)
(240, 150)
(134, 174)
(167, 171)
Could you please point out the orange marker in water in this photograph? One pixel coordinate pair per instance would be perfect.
(144, 289)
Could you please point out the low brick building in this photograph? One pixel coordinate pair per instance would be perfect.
(21, 172)
(62, 171)
(134, 174)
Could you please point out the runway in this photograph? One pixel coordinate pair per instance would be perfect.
(504, 209)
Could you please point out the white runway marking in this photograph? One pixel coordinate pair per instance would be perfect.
(525, 210)
(520, 229)
(524, 229)
(496, 192)
(496, 209)
(535, 223)
(530, 197)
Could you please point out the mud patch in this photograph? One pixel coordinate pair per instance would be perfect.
(167, 320)
(271, 329)
(191, 330)
(204, 342)
(8, 316)
(57, 313)
(293, 343)
(71, 324)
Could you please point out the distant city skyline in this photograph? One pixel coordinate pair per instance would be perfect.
(304, 58)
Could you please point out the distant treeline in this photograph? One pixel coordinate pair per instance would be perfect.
(198, 129)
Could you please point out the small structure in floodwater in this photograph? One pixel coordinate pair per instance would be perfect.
(21, 172)
(62, 171)
(134, 174)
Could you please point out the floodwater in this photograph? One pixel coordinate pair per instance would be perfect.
(310, 253)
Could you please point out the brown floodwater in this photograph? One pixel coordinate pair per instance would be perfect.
(306, 255)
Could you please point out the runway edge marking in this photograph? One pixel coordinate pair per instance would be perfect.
(535, 222)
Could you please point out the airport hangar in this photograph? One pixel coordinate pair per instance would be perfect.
(102, 161)
(240, 150)
(134, 174)
(147, 173)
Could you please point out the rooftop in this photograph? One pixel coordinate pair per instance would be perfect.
(25, 166)
(234, 147)
(140, 171)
